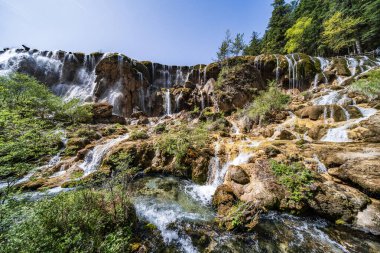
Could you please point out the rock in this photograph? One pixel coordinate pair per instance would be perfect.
(223, 199)
(316, 112)
(238, 175)
(235, 87)
(364, 173)
(312, 112)
(337, 201)
(369, 219)
(339, 67)
(373, 126)
(263, 187)
(286, 135)
(101, 110)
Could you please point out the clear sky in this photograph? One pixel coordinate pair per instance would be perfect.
(176, 32)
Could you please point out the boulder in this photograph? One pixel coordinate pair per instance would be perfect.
(223, 199)
(286, 135)
(337, 201)
(364, 173)
(238, 175)
(369, 219)
(236, 86)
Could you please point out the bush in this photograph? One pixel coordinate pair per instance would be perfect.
(138, 135)
(369, 86)
(267, 102)
(177, 141)
(83, 221)
(295, 177)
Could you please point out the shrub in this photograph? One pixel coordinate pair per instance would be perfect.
(369, 86)
(295, 177)
(138, 135)
(267, 102)
(82, 221)
(177, 141)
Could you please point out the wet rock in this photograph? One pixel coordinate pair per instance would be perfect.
(337, 201)
(238, 175)
(223, 199)
(373, 126)
(364, 173)
(369, 219)
(235, 87)
(312, 112)
(286, 135)
(339, 67)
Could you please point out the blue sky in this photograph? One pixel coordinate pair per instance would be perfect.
(176, 32)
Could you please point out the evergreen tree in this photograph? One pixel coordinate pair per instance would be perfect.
(274, 39)
(254, 46)
(371, 34)
(238, 44)
(225, 48)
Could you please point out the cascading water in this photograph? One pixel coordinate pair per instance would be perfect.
(167, 104)
(93, 159)
(340, 134)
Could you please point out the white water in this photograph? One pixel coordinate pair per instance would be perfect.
(93, 159)
(167, 104)
(340, 134)
(321, 167)
(162, 214)
(204, 193)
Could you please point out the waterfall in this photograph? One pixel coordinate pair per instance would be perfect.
(202, 101)
(177, 100)
(141, 92)
(324, 64)
(352, 64)
(321, 167)
(205, 75)
(340, 134)
(94, 158)
(167, 104)
(216, 173)
(277, 68)
(291, 72)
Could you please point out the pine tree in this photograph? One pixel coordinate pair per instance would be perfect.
(225, 48)
(238, 44)
(274, 39)
(254, 46)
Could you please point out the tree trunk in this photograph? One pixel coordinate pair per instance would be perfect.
(358, 46)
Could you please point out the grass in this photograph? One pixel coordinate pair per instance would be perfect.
(369, 86)
(177, 141)
(267, 101)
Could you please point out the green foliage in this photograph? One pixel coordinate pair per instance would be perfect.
(369, 86)
(75, 112)
(238, 44)
(297, 35)
(82, 221)
(295, 177)
(266, 102)
(274, 38)
(225, 48)
(138, 135)
(121, 161)
(160, 128)
(255, 45)
(339, 31)
(179, 140)
(30, 116)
